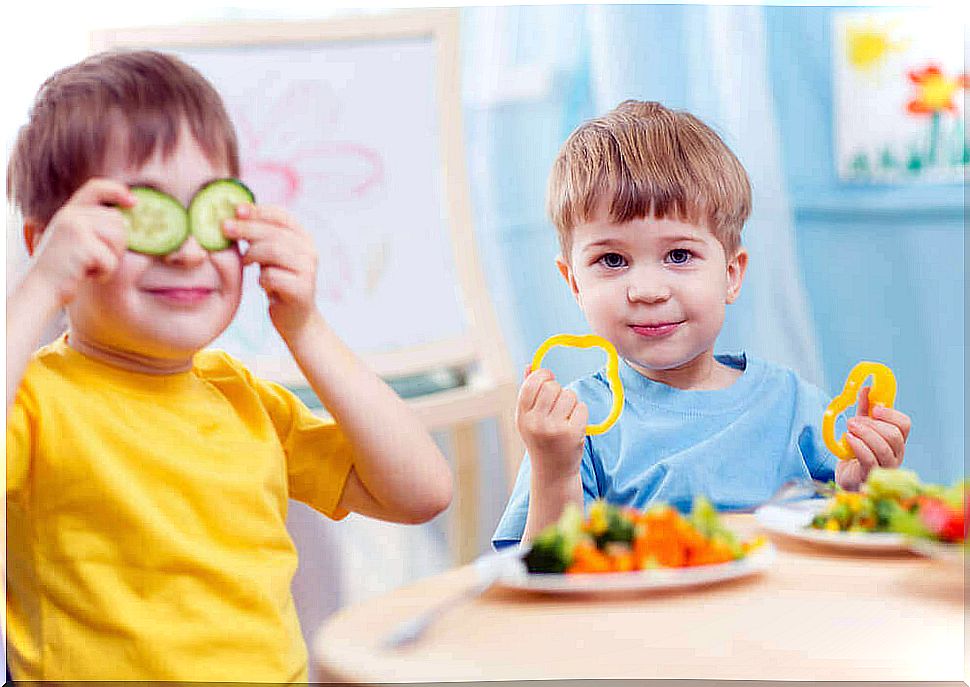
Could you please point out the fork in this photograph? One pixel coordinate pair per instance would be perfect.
(793, 490)
(488, 569)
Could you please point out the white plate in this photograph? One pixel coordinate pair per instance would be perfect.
(517, 577)
(951, 554)
(793, 520)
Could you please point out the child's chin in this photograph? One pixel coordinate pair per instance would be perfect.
(658, 365)
(184, 342)
(190, 333)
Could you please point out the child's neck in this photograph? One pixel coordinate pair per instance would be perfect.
(704, 373)
(126, 360)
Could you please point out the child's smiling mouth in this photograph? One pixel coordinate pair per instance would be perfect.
(182, 295)
(656, 329)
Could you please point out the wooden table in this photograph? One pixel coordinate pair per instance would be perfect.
(816, 614)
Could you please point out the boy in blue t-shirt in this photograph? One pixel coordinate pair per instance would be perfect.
(649, 204)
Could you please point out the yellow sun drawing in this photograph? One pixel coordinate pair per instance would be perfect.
(868, 43)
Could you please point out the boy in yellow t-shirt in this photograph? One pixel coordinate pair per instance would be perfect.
(147, 478)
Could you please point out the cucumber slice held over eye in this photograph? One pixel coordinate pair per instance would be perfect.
(157, 224)
(211, 206)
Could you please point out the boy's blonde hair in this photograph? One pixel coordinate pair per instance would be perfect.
(138, 99)
(645, 160)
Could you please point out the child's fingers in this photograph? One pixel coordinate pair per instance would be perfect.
(267, 213)
(893, 417)
(248, 230)
(279, 282)
(546, 398)
(861, 452)
(100, 191)
(891, 434)
(102, 261)
(530, 388)
(564, 404)
(876, 444)
(862, 404)
(579, 417)
(277, 253)
(110, 227)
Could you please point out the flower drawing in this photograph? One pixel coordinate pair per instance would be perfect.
(934, 95)
(934, 90)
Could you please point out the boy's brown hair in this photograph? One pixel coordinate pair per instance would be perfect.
(139, 99)
(645, 160)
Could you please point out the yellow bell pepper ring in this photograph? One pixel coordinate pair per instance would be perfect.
(612, 370)
(883, 392)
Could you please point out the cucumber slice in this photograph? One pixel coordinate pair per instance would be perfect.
(214, 203)
(157, 224)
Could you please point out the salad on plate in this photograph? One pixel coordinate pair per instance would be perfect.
(621, 539)
(614, 548)
(896, 501)
(892, 512)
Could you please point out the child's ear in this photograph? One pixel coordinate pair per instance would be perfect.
(32, 234)
(567, 273)
(735, 275)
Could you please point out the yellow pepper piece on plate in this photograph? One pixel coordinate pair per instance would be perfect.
(612, 370)
(883, 392)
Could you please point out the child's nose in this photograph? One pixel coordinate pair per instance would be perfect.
(648, 289)
(189, 253)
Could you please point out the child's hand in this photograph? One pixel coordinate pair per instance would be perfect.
(877, 440)
(287, 262)
(85, 238)
(552, 423)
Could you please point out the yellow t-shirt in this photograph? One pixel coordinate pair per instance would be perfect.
(146, 534)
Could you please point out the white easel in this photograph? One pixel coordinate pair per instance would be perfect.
(480, 349)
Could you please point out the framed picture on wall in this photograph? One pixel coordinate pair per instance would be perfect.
(899, 87)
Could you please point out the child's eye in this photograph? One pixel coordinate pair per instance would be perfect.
(612, 261)
(679, 256)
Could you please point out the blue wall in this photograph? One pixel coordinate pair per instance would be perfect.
(883, 265)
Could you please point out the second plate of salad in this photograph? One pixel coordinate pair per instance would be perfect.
(891, 511)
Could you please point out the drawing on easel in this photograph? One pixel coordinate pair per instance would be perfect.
(900, 82)
(354, 164)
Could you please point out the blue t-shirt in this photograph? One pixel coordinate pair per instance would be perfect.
(735, 446)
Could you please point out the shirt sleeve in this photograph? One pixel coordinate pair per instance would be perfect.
(511, 526)
(20, 433)
(318, 455)
(818, 459)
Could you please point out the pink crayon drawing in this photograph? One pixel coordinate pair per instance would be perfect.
(289, 160)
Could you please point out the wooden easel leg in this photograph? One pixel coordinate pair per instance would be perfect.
(464, 529)
(510, 444)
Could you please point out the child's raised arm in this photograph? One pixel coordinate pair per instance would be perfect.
(399, 474)
(552, 423)
(84, 239)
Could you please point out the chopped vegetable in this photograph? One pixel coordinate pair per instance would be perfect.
(893, 483)
(619, 539)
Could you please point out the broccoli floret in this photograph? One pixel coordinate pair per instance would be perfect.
(548, 553)
(618, 529)
(704, 518)
(886, 512)
(819, 521)
(552, 549)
